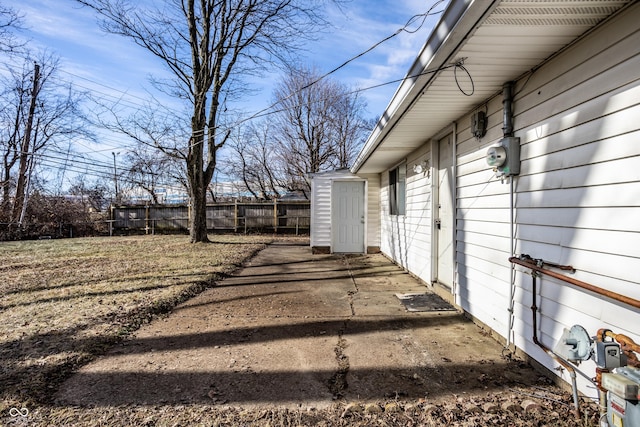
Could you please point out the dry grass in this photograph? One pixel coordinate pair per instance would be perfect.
(62, 302)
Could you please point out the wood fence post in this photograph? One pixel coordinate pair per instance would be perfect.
(235, 216)
(112, 222)
(189, 215)
(146, 219)
(275, 215)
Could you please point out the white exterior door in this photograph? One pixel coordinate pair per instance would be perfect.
(347, 216)
(445, 210)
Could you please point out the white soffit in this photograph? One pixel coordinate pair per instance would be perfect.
(515, 37)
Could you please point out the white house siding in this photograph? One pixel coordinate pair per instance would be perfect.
(418, 216)
(408, 237)
(388, 238)
(482, 225)
(321, 208)
(581, 188)
(577, 198)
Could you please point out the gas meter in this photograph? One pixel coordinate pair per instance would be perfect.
(622, 385)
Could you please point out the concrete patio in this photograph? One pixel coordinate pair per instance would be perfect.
(292, 329)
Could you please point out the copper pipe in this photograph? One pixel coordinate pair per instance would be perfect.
(627, 345)
(600, 291)
(602, 392)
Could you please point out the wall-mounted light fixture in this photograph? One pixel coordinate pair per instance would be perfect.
(421, 167)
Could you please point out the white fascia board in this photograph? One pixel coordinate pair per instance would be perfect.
(459, 19)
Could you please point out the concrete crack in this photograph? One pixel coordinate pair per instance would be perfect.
(355, 287)
(338, 381)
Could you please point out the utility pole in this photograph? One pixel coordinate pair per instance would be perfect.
(115, 176)
(24, 152)
(28, 184)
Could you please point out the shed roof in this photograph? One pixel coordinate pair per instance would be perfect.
(496, 41)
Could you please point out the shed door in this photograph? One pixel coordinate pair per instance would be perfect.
(445, 213)
(347, 216)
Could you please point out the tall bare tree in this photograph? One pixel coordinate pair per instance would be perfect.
(350, 128)
(320, 125)
(208, 46)
(36, 112)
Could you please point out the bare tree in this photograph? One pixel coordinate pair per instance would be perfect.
(15, 97)
(148, 170)
(26, 161)
(320, 125)
(208, 46)
(92, 195)
(10, 20)
(158, 139)
(350, 128)
(254, 162)
(36, 111)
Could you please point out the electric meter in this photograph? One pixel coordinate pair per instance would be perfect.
(496, 156)
(506, 156)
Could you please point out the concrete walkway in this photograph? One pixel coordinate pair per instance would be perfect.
(298, 330)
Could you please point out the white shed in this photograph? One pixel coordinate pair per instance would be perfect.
(344, 212)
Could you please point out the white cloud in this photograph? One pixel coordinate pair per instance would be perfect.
(365, 24)
(116, 62)
(73, 34)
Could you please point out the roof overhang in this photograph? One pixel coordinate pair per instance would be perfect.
(499, 41)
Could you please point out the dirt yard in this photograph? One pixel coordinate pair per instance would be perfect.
(291, 339)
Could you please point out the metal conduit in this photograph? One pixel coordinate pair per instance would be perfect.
(531, 264)
(562, 362)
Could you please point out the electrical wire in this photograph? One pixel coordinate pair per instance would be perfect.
(106, 174)
(81, 165)
(359, 55)
(104, 169)
(353, 92)
(460, 65)
(262, 113)
(531, 73)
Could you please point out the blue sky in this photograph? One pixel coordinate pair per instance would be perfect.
(113, 67)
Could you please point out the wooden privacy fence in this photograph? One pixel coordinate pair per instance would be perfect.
(275, 216)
